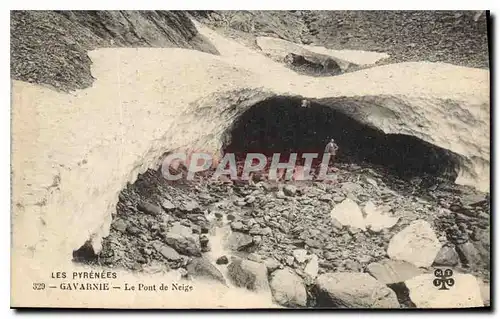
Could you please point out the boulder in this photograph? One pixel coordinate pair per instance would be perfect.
(468, 254)
(338, 198)
(350, 187)
(240, 203)
(290, 190)
(255, 230)
(248, 274)
(351, 265)
(348, 213)
(330, 255)
(239, 241)
(237, 226)
(168, 252)
(280, 194)
(266, 231)
(353, 290)
(204, 240)
(393, 271)
(464, 293)
(119, 225)
(201, 268)
(288, 289)
(300, 255)
(312, 267)
(256, 240)
(336, 224)
(417, 244)
(473, 199)
(376, 219)
(149, 208)
(190, 206)
(254, 257)
(133, 230)
(484, 252)
(364, 259)
(167, 205)
(182, 239)
(447, 256)
(250, 199)
(326, 198)
(271, 264)
(222, 260)
(371, 181)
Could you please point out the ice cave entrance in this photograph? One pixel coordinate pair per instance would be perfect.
(286, 125)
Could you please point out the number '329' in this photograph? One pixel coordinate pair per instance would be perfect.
(38, 286)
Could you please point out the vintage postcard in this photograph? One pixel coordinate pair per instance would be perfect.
(250, 159)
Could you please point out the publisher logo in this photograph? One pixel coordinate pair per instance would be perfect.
(443, 279)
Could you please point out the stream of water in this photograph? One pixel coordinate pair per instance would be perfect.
(218, 239)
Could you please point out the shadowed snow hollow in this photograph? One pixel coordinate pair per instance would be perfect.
(73, 153)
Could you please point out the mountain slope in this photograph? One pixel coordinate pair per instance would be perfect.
(50, 47)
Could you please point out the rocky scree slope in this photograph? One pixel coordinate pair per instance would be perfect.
(289, 228)
(456, 37)
(50, 47)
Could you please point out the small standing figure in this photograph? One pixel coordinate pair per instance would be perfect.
(331, 148)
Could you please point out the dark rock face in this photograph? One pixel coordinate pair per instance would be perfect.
(40, 53)
(85, 253)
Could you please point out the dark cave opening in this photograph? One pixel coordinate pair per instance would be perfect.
(85, 254)
(283, 125)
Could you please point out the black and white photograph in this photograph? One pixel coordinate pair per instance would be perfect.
(250, 159)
